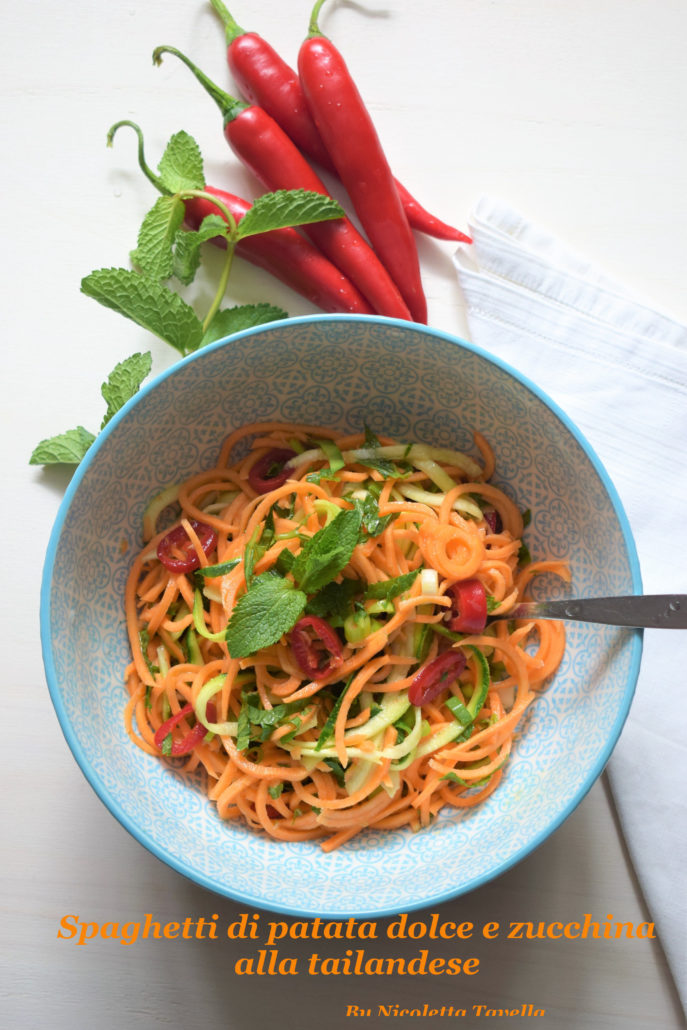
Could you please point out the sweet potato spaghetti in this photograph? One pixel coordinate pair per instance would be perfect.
(313, 631)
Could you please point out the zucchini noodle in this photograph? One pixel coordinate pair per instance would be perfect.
(287, 663)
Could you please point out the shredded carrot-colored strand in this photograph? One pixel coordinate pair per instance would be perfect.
(306, 756)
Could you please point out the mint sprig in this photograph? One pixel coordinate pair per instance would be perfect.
(122, 383)
(164, 251)
(148, 303)
(272, 604)
(372, 522)
(387, 589)
(270, 608)
(187, 247)
(328, 552)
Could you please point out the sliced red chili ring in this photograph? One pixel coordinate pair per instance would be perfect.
(494, 521)
(193, 737)
(469, 608)
(316, 647)
(269, 472)
(177, 553)
(435, 677)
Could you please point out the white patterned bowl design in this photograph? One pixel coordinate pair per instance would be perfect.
(406, 381)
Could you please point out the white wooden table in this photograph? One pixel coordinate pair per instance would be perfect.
(572, 112)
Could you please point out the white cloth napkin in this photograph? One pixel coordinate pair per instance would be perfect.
(619, 370)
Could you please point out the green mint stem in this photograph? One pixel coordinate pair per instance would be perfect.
(233, 30)
(147, 171)
(222, 286)
(221, 207)
(313, 27)
(228, 105)
(231, 245)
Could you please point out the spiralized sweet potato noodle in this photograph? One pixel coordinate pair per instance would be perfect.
(272, 787)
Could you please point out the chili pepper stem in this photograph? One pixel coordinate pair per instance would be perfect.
(228, 105)
(233, 29)
(313, 27)
(145, 168)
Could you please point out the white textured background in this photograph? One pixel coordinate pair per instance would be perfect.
(574, 112)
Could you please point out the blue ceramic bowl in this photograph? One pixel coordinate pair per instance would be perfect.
(412, 383)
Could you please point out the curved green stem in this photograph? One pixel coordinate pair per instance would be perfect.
(145, 168)
(313, 27)
(221, 207)
(228, 105)
(231, 246)
(233, 30)
(222, 286)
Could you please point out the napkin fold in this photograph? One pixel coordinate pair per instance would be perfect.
(619, 369)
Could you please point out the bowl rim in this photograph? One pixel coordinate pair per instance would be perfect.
(69, 732)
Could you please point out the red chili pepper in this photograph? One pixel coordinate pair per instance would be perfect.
(351, 139)
(267, 80)
(269, 153)
(269, 471)
(284, 253)
(177, 553)
(435, 677)
(469, 607)
(494, 521)
(316, 647)
(193, 737)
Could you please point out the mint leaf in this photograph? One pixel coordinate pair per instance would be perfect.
(337, 769)
(326, 553)
(66, 449)
(252, 553)
(373, 522)
(187, 246)
(492, 604)
(285, 208)
(154, 254)
(269, 719)
(390, 588)
(243, 729)
(244, 316)
(371, 440)
(269, 609)
(123, 382)
(181, 165)
(148, 303)
(326, 473)
(385, 467)
(284, 562)
(275, 790)
(335, 600)
(524, 556)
